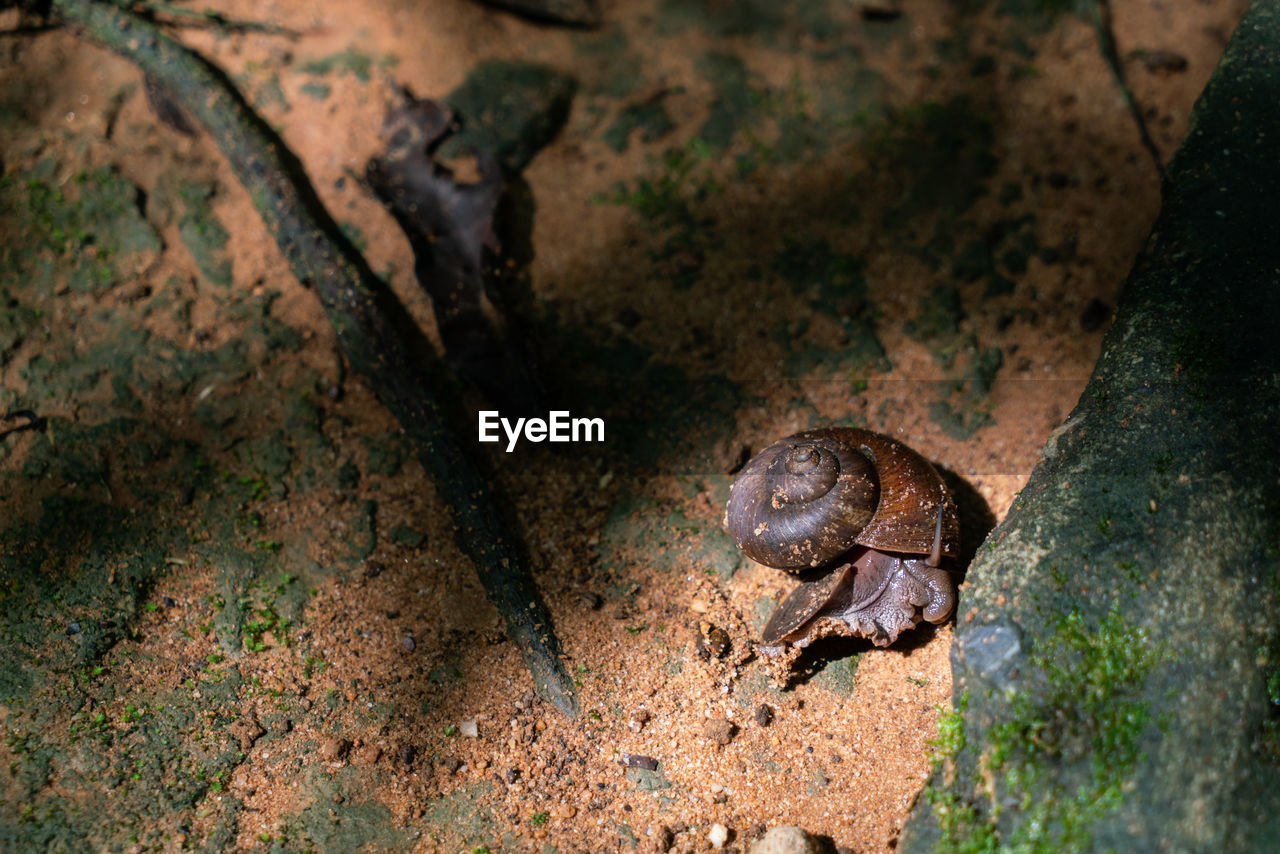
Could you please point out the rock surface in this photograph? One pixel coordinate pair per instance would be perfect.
(1117, 668)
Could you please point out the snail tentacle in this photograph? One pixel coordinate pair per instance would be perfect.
(935, 555)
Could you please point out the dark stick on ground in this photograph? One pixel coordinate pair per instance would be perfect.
(368, 322)
(33, 422)
(176, 16)
(573, 13)
(1107, 45)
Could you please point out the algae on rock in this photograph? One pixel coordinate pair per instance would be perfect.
(1113, 667)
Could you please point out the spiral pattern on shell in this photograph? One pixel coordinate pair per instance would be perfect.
(802, 501)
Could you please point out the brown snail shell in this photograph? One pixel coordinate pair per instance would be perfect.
(870, 515)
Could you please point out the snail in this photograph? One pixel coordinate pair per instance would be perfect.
(867, 523)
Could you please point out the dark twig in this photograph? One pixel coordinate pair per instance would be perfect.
(33, 421)
(1107, 45)
(30, 30)
(203, 19)
(363, 314)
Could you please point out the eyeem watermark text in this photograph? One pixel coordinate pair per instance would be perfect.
(556, 427)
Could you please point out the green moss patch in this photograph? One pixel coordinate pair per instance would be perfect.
(204, 235)
(648, 118)
(668, 538)
(1089, 711)
(85, 232)
(512, 109)
(351, 61)
(937, 155)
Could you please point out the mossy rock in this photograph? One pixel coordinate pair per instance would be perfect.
(1118, 662)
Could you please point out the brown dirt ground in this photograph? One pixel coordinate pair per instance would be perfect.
(843, 762)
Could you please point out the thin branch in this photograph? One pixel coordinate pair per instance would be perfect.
(1107, 45)
(207, 19)
(368, 322)
(32, 421)
(30, 30)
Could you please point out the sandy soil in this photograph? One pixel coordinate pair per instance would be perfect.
(360, 722)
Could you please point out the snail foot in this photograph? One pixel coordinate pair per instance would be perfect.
(877, 596)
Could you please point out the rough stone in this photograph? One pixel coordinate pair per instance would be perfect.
(786, 839)
(1120, 638)
(718, 731)
(333, 749)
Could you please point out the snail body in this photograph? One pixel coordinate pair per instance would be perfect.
(864, 520)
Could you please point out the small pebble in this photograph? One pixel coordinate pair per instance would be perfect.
(786, 839)
(764, 715)
(638, 720)
(409, 643)
(369, 754)
(470, 729)
(718, 731)
(407, 754)
(718, 836)
(73, 628)
(333, 749)
(713, 641)
(648, 763)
